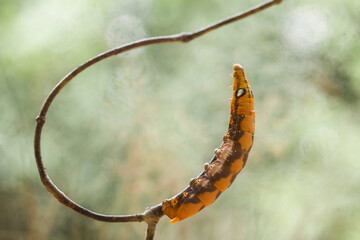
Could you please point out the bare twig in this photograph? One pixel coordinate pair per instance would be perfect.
(152, 215)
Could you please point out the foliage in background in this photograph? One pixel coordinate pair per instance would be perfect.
(132, 130)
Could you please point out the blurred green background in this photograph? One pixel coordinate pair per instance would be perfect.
(132, 130)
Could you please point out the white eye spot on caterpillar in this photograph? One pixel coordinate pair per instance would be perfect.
(240, 92)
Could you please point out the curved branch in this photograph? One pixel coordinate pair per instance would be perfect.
(153, 214)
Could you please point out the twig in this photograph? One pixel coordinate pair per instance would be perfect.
(152, 215)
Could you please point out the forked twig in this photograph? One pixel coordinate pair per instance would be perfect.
(152, 215)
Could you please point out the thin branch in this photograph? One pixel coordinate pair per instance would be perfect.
(152, 215)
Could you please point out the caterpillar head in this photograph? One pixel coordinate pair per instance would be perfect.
(243, 98)
(242, 105)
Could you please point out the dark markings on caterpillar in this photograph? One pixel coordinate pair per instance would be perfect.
(228, 160)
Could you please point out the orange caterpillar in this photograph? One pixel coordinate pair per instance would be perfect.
(228, 161)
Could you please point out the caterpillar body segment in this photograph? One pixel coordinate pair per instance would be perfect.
(228, 160)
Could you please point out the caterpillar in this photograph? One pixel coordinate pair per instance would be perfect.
(228, 160)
